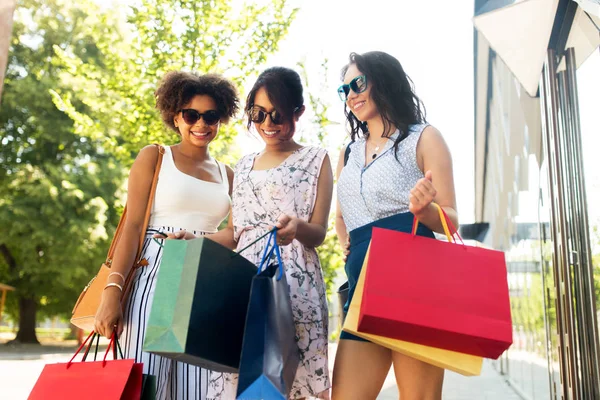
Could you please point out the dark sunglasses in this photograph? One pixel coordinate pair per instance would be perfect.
(258, 115)
(191, 116)
(358, 85)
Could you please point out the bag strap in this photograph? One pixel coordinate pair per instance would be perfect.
(161, 152)
(120, 226)
(138, 262)
(143, 262)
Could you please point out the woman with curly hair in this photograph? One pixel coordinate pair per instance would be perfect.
(193, 194)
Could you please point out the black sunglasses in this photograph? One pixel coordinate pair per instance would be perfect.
(191, 116)
(358, 85)
(258, 115)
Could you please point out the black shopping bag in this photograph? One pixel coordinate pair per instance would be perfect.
(200, 303)
(270, 355)
(148, 387)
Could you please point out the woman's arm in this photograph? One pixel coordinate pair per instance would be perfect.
(313, 232)
(138, 191)
(340, 225)
(433, 157)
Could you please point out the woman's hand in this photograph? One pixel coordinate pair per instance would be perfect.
(180, 235)
(346, 251)
(422, 195)
(109, 315)
(287, 228)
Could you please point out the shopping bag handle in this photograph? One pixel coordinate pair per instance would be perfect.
(235, 252)
(270, 232)
(270, 248)
(79, 349)
(449, 230)
(114, 344)
(266, 253)
(87, 350)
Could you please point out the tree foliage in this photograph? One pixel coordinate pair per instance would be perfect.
(201, 36)
(78, 105)
(53, 182)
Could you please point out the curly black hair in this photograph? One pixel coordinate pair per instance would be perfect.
(177, 88)
(392, 91)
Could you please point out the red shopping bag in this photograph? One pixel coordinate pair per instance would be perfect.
(435, 293)
(96, 380)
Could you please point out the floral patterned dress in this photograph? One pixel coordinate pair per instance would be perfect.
(259, 198)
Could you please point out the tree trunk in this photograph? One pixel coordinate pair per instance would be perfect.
(27, 317)
(76, 334)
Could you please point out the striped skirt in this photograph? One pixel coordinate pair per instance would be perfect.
(175, 380)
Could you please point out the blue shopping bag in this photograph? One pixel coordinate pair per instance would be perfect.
(270, 354)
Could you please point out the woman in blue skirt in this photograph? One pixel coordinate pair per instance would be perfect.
(395, 167)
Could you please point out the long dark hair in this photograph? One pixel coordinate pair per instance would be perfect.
(391, 90)
(284, 89)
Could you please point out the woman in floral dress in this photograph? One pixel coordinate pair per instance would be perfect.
(289, 186)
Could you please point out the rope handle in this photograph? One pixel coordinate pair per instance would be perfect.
(113, 344)
(449, 230)
(270, 248)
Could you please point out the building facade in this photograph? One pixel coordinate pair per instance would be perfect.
(530, 191)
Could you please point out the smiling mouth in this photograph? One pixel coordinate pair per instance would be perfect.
(270, 133)
(358, 105)
(201, 135)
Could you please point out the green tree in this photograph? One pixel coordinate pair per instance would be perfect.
(159, 36)
(319, 110)
(52, 181)
(330, 255)
(78, 104)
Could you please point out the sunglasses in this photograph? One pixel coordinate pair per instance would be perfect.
(358, 85)
(258, 115)
(191, 116)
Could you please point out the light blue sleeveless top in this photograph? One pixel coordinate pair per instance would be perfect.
(382, 188)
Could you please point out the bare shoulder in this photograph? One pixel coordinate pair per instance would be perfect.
(148, 154)
(431, 139)
(432, 148)
(431, 133)
(326, 165)
(145, 162)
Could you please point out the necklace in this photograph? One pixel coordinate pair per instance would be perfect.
(374, 156)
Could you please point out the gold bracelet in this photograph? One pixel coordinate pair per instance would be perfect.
(114, 285)
(117, 273)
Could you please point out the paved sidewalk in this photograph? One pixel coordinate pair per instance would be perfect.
(490, 385)
(18, 373)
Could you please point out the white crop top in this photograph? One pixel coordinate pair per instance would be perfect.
(184, 202)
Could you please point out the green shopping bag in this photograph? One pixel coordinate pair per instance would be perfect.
(200, 304)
